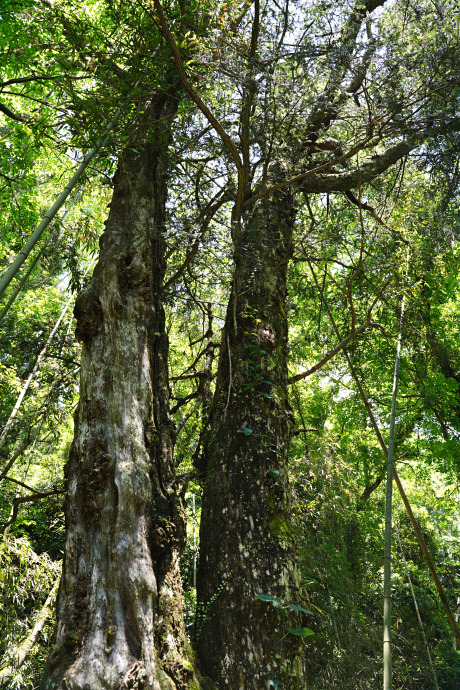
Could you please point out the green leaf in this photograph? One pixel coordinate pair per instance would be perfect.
(273, 684)
(321, 612)
(294, 607)
(268, 395)
(247, 431)
(273, 473)
(301, 632)
(264, 597)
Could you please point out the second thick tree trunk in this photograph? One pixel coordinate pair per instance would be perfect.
(247, 543)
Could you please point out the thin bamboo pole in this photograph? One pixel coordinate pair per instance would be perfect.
(194, 540)
(387, 660)
(25, 647)
(422, 629)
(32, 374)
(35, 261)
(412, 518)
(11, 272)
(432, 569)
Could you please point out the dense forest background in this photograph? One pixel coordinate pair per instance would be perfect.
(342, 120)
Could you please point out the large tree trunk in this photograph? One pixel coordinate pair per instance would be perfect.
(247, 544)
(119, 612)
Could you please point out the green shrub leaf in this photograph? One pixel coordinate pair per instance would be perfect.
(301, 632)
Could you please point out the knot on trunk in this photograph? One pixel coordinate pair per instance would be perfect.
(132, 271)
(88, 313)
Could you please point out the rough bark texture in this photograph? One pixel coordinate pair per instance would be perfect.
(247, 544)
(119, 611)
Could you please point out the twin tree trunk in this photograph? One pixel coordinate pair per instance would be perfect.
(247, 544)
(119, 611)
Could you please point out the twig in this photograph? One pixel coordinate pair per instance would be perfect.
(332, 353)
(25, 499)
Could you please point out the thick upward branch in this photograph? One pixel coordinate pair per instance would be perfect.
(332, 353)
(188, 88)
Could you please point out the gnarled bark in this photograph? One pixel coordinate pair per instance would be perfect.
(247, 544)
(119, 611)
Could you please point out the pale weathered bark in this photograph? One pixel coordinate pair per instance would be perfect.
(119, 611)
(247, 543)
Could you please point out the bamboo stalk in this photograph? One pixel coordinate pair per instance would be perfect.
(417, 611)
(387, 660)
(49, 215)
(32, 374)
(24, 648)
(35, 261)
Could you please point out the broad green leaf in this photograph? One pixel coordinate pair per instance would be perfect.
(273, 473)
(294, 607)
(247, 431)
(301, 632)
(264, 597)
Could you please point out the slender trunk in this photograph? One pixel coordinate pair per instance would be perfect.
(119, 610)
(418, 533)
(32, 375)
(247, 543)
(387, 651)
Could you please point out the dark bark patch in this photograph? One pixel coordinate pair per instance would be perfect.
(134, 644)
(94, 408)
(163, 537)
(117, 308)
(151, 439)
(88, 313)
(94, 481)
(132, 271)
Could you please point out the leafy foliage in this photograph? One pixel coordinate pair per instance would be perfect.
(25, 582)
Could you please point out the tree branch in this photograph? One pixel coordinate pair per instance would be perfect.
(25, 499)
(14, 116)
(207, 215)
(313, 182)
(43, 77)
(188, 88)
(332, 353)
(330, 102)
(17, 454)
